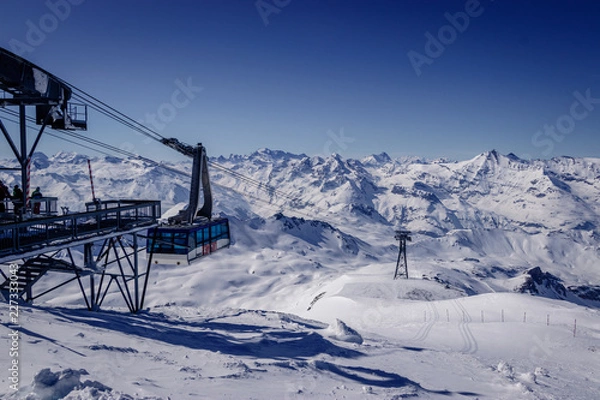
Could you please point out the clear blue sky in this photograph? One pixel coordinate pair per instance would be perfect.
(317, 76)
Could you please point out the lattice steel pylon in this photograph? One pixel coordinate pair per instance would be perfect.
(401, 264)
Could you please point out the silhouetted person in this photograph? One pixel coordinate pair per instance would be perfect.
(37, 194)
(17, 199)
(4, 194)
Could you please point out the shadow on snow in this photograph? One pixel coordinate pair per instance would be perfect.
(379, 378)
(258, 341)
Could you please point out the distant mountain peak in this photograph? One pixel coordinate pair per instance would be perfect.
(492, 159)
(266, 153)
(492, 154)
(69, 156)
(538, 282)
(513, 157)
(39, 160)
(274, 152)
(377, 159)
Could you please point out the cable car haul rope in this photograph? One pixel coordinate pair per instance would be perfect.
(192, 233)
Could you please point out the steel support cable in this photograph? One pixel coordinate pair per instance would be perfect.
(268, 188)
(141, 128)
(115, 115)
(260, 185)
(78, 144)
(74, 135)
(120, 117)
(100, 144)
(8, 119)
(124, 119)
(271, 189)
(246, 195)
(79, 93)
(257, 184)
(267, 204)
(132, 155)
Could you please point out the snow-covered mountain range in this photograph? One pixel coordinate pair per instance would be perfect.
(492, 216)
(313, 238)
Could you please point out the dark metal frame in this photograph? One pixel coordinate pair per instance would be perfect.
(115, 231)
(115, 253)
(26, 237)
(38, 241)
(18, 78)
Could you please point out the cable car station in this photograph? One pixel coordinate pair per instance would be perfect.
(35, 241)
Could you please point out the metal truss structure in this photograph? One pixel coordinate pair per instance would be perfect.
(401, 263)
(35, 245)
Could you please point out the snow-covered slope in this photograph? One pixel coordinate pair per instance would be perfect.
(498, 210)
(502, 248)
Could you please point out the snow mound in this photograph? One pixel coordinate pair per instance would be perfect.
(90, 393)
(340, 331)
(48, 385)
(66, 384)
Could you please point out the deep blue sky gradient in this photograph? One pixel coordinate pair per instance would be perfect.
(321, 70)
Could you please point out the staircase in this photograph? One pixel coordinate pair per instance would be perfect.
(28, 274)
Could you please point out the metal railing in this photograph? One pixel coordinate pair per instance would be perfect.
(44, 206)
(104, 217)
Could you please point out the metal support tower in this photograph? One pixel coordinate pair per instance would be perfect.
(39, 242)
(117, 262)
(29, 85)
(401, 264)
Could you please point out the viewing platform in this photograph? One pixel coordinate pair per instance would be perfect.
(40, 207)
(37, 232)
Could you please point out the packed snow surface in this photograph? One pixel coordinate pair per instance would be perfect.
(502, 300)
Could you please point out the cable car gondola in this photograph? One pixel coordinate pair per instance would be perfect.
(191, 233)
(181, 244)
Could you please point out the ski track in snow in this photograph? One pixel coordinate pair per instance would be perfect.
(425, 329)
(470, 343)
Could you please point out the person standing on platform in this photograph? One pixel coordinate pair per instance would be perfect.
(4, 194)
(17, 199)
(37, 194)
